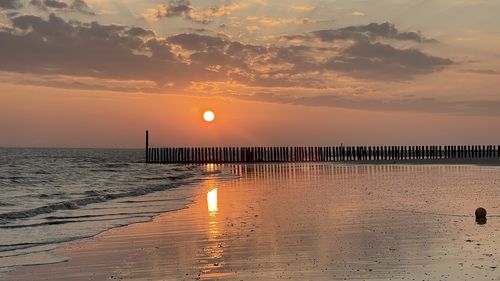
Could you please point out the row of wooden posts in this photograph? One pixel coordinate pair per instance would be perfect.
(314, 154)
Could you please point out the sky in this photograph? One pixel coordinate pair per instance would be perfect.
(98, 73)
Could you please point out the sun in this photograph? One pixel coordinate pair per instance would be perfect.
(208, 116)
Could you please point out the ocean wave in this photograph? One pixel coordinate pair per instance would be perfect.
(99, 215)
(19, 246)
(116, 165)
(92, 197)
(169, 177)
(14, 178)
(59, 222)
(53, 195)
(16, 249)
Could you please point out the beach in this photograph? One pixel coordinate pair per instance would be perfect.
(305, 221)
(165, 140)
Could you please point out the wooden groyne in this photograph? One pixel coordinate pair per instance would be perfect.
(314, 153)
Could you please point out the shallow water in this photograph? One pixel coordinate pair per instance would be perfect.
(308, 222)
(50, 196)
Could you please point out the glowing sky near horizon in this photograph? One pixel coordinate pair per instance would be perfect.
(97, 73)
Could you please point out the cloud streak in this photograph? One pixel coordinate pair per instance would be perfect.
(369, 32)
(55, 5)
(282, 21)
(408, 104)
(184, 9)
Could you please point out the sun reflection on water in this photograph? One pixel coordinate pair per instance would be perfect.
(211, 167)
(212, 201)
(215, 249)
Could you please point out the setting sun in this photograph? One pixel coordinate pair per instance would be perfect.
(209, 116)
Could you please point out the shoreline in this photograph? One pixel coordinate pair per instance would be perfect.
(70, 249)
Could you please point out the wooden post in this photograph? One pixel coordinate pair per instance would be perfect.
(147, 146)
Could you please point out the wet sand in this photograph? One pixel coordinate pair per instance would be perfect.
(306, 222)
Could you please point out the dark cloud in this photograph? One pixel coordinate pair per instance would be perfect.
(132, 53)
(370, 58)
(93, 50)
(177, 8)
(10, 4)
(369, 32)
(197, 42)
(54, 5)
(381, 61)
(82, 7)
(184, 9)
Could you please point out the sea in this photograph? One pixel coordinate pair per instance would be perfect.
(52, 196)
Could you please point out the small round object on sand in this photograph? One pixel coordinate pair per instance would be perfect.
(480, 213)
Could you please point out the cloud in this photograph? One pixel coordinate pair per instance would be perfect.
(82, 7)
(80, 49)
(127, 53)
(4, 27)
(49, 4)
(95, 56)
(358, 14)
(282, 21)
(10, 4)
(197, 42)
(482, 71)
(404, 104)
(363, 55)
(55, 5)
(184, 9)
(303, 8)
(369, 60)
(174, 9)
(370, 32)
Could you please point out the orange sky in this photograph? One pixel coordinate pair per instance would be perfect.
(98, 73)
(47, 117)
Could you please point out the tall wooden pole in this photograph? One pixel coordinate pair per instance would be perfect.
(147, 146)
